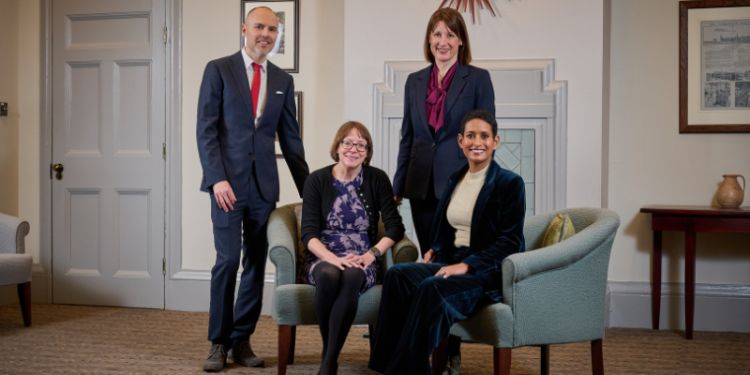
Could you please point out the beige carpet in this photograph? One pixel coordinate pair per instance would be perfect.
(104, 340)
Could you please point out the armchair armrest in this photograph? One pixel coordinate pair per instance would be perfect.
(404, 251)
(12, 234)
(520, 266)
(282, 232)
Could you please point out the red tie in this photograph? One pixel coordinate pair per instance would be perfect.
(255, 90)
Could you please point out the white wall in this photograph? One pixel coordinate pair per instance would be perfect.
(28, 117)
(319, 78)
(569, 31)
(651, 163)
(9, 94)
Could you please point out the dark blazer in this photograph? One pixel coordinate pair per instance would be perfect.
(496, 226)
(421, 154)
(229, 144)
(376, 194)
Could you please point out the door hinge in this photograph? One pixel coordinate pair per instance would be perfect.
(164, 266)
(164, 151)
(165, 33)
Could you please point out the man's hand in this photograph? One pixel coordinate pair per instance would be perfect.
(452, 270)
(224, 195)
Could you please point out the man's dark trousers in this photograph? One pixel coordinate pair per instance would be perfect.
(240, 232)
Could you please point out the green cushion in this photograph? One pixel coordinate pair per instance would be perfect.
(559, 229)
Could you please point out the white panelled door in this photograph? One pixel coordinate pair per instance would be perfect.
(108, 129)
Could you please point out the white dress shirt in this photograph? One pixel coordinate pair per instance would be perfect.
(263, 79)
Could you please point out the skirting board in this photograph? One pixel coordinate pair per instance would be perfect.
(39, 288)
(717, 307)
(722, 308)
(190, 291)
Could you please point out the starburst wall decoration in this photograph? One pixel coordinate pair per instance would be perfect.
(473, 6)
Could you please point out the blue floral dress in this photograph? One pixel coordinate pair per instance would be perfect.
(346, 231)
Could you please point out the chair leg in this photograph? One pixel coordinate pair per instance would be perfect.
(371, 334)
(501, 361)
(545, 360)
(292, 345)
(286, 335)
(597, 357)
(24, 297)
(439, 357)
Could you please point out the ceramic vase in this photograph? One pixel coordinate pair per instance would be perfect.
(730, 193)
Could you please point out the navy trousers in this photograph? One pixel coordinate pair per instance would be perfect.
(422, 214)
(417, 310)
(238, 233)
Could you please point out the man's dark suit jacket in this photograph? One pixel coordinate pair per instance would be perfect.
(496, 227)
(229, 143)
(421, 155)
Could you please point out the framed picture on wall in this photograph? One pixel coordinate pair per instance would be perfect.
(298, 105)
(715, 66)
(285, 53)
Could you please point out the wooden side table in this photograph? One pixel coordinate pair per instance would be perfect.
(691, 220)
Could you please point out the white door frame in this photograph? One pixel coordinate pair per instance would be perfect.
(43, 275)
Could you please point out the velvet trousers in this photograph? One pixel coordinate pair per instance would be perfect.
(417, 310)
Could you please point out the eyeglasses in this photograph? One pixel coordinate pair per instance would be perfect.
(347, 145)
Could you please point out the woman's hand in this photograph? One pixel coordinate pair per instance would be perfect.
(429, 256)
(348, 261)
(365, 260)
(452, 270)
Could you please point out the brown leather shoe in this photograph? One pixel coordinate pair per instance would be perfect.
(217, 359)
(242, 354)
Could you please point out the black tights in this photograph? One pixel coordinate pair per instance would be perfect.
(336, 298)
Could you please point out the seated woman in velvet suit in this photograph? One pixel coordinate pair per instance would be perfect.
(478, 222)
(342, 204)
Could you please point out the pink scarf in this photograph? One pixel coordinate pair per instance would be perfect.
(436, 96)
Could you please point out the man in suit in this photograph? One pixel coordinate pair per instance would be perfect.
(245, 101)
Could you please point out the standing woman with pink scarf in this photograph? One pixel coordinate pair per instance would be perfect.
(436, 99)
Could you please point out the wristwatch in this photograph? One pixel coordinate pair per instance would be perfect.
(375, 252)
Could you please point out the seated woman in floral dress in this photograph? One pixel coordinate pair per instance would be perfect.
(342, 204)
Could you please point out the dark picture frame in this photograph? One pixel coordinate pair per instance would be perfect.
(298, 105)
(286, 51)
(714, 86)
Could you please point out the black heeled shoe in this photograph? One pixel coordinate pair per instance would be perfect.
(331, 369)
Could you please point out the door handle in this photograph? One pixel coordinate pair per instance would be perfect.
(58, 169)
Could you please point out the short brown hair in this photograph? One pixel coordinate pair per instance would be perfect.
(344, 131)
(455, 23)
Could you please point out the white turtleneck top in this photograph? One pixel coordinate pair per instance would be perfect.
(461, 206)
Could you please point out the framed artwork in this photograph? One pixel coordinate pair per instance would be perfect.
(715, 66)
(298, 105)
(285, 53)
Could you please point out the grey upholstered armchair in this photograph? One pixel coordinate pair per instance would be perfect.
(15, 266)
(551, 295)
(293, 302)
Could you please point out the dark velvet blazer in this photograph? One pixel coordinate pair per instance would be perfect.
(229, 143)
(496, 226)
(424, 159)
(376, 194)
